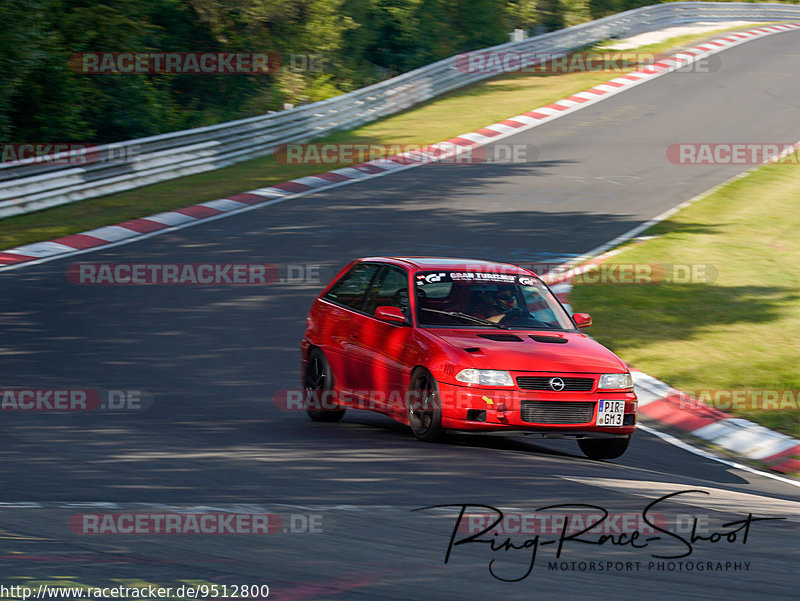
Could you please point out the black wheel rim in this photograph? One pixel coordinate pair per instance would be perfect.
(421, 405)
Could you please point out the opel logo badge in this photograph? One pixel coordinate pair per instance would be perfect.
(556, 384)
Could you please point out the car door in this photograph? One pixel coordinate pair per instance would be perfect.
(388, 347)
(345, 320)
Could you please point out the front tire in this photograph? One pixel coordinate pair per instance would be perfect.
(318, 386)
(604, 448)
(424, 407)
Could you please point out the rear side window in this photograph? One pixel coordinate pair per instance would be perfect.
(392, 291)
(350, 289)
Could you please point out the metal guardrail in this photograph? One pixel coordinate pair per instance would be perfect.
(35, 184)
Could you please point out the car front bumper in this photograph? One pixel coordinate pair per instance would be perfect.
(487, 409)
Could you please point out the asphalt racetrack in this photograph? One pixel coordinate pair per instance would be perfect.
(212, 357)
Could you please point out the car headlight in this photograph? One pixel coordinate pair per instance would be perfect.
(615, 381)
(485, 377)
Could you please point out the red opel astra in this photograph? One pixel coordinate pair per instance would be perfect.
(459, 344)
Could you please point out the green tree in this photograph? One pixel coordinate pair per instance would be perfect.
(37, 93)
(348, 44)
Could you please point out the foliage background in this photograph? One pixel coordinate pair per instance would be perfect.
(361, 42)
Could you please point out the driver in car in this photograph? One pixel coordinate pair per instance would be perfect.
(496, 305)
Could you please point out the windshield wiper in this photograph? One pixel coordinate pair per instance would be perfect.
(466, 317)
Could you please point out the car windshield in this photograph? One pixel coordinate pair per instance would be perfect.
(486, 299)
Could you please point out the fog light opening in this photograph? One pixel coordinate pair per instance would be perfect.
(476, 415)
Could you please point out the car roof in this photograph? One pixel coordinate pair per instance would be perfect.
(447, 263)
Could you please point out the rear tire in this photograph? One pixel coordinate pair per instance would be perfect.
(424, 407)
(318, 386)
(604, 448)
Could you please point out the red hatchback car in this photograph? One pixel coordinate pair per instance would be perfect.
(458, 344)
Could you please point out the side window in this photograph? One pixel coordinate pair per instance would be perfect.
(392, 291)
(350, 289)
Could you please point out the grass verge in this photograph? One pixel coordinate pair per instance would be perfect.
(733, 327)
(461, 111)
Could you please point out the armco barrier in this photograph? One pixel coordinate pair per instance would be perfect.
(36, 184)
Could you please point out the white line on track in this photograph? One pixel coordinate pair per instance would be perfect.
(705, 454)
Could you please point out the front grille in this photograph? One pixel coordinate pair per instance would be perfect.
(557, 412)
(543, 383)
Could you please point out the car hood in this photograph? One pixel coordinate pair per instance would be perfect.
(532, 350)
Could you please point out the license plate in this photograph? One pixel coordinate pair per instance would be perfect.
(610, 413)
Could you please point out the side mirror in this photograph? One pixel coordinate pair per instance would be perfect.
(390, 314)
(582, 320)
